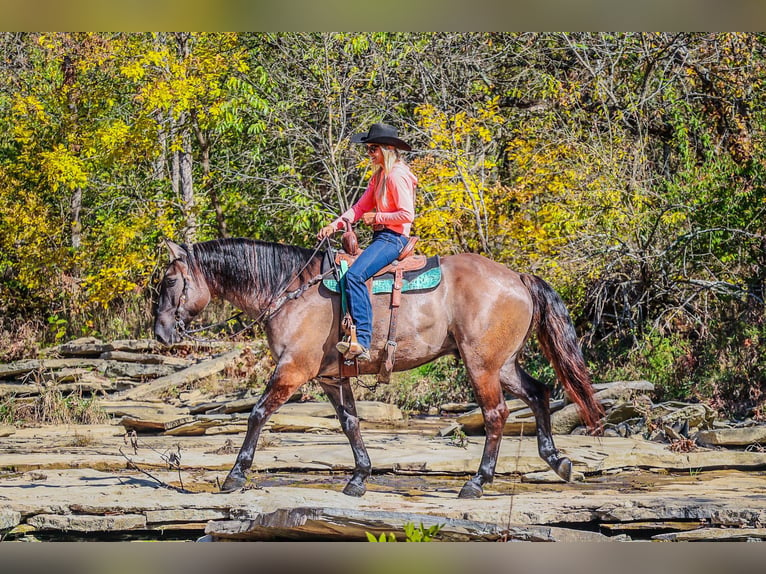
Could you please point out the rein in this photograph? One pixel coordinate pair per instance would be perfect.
(275, 304)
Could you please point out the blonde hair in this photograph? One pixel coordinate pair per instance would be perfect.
(391, 155)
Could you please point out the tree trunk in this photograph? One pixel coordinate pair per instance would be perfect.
(187, 187)
(204, 143)
(76, 223)
(159, 163)
(184, 155)
(175, 174)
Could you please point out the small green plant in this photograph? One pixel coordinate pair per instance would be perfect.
(459, 439)
(412, 533)
(58, 327)
(421, 533)
(383, 537)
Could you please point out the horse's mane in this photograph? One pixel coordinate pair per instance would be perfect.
(248, 266)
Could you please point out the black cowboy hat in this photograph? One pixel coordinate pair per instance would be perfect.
(381, 134)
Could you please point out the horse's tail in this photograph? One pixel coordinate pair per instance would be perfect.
(558, 341)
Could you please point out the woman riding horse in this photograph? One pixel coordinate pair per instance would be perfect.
(388, 205)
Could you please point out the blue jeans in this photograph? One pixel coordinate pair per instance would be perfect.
(385, 248)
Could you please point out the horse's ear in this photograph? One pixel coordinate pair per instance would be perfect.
(176, 251)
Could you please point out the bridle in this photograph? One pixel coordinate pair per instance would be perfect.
(179, 324)
(274, 305)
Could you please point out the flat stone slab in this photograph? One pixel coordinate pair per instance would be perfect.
(734, 436)
(77, 479)
(90, 501)
(720, 534)
(88, 523)
(394, 450)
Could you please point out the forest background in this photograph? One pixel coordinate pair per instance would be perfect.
(626, 169)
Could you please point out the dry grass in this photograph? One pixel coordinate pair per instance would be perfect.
(19, 341)
(51, 406)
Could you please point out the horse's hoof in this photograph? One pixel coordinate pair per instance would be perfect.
(470, 490)
(564, 469)
(232, 483)
(354, 489)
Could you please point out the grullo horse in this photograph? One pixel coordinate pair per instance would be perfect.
(481, 311)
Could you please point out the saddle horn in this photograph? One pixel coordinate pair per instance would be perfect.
(349, 241)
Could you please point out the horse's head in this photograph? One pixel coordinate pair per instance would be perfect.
(183, 294)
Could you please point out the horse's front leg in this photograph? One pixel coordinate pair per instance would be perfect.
(342, 398)
(285, 380)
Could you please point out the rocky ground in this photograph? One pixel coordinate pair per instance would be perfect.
(151, 470)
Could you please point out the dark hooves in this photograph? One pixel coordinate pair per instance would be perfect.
(233, 483)
(354, 489)
(564, 469)
(470, 490)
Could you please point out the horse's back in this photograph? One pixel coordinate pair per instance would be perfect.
(476, 275)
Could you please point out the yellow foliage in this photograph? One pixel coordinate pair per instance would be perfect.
(458, 191)
(63, 168)
(555, 191)
(120, 255)
(29, 238)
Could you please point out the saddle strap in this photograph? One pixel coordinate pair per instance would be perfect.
(346, 367)
(387, 366)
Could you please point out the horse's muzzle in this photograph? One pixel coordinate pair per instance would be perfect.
(166, 334)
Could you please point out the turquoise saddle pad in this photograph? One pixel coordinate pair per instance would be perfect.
(427, 278)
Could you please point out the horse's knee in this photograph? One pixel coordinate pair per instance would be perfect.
(348, 422)
(494, 420)
(256, 418)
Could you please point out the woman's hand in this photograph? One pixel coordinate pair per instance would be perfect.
(369, 218)
(326, 231)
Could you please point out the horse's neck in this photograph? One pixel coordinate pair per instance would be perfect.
(254, 303)
(252, 306)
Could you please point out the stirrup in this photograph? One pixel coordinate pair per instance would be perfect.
(357, 351)
(348, 342)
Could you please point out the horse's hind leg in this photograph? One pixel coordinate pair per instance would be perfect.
(342, 399)
(537, 396)
(489, 395)
(284, 381)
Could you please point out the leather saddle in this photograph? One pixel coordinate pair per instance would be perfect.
(406, 262)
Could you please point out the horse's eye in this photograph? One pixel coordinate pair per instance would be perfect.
(170, 282)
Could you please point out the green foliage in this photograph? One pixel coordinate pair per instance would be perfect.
(421, 533)
(412, 533)
(432, 384)
(459, 439)
(661, 359)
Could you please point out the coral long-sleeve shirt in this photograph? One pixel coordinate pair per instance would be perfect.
(397, 212)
